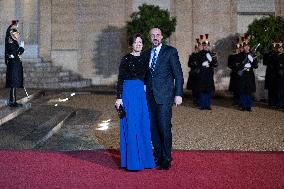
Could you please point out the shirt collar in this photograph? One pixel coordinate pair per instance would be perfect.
(158, 48)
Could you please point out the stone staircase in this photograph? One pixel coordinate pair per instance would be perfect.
(45, 122)
(45, 75)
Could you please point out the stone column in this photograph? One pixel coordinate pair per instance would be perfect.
(279, 8)
(183, 38)
(45, 30)
(64, 34)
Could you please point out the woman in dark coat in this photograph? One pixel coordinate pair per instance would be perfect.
(14, 73)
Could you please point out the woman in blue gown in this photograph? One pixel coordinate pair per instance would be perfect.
(135, 137)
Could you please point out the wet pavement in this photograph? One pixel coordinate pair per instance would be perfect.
(95, 125)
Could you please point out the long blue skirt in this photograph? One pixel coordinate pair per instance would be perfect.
(135, 137)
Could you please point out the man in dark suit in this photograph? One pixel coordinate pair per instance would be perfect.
(164, 84)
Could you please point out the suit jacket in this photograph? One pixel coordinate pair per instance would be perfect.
(166, 82)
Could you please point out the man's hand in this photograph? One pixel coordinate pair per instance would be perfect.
(118, 102)
(178, 100)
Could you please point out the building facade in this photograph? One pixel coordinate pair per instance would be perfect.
(88, 37)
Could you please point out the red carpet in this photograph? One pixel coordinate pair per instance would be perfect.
(99, 169)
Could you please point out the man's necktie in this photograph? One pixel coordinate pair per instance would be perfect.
(154, 60)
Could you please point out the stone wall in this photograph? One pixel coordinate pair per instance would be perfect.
(89, 37)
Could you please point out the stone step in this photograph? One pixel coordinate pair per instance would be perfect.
(7, 113)
(35, 68)
(42, 69)
(64, 84)
(34, 127)
(51, 79)
(75, 133)
(46, 75)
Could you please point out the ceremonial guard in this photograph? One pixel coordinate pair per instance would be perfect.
(206, 61)
(271, 75)
(280, 77)
(234, 76)
(246, 84)
(14, 73)
(14, 25)
(192, 75)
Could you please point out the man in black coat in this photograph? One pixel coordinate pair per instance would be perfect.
(247, 78)
(164, 85)
(14, 72)
(192, 75)
(234, 77)
(270, 61)
(206, 62)
(280, 76)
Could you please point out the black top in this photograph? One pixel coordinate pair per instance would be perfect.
(131, 68)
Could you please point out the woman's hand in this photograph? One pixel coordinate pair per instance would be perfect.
(118, 102)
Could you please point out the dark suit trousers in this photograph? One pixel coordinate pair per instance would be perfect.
(161, 134)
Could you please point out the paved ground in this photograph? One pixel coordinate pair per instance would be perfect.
(96, 124)
(223, 128)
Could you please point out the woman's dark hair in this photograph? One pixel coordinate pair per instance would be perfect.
(133, 38)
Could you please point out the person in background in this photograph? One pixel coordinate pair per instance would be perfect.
(206, 62)
(234, 77)
(14, 25)
(280, 76)
(192, 75)
(271, 74)
(14, 72)
(248, 62)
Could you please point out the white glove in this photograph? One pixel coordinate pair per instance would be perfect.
(22, 44)
(247, 65)
(205, 64)
(11, 56)
(178, 100)
(118, 102)
(250, 58)
(209, 57)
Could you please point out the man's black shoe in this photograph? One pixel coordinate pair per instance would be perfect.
(158, 163)
(166, 165)
(15, 104)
